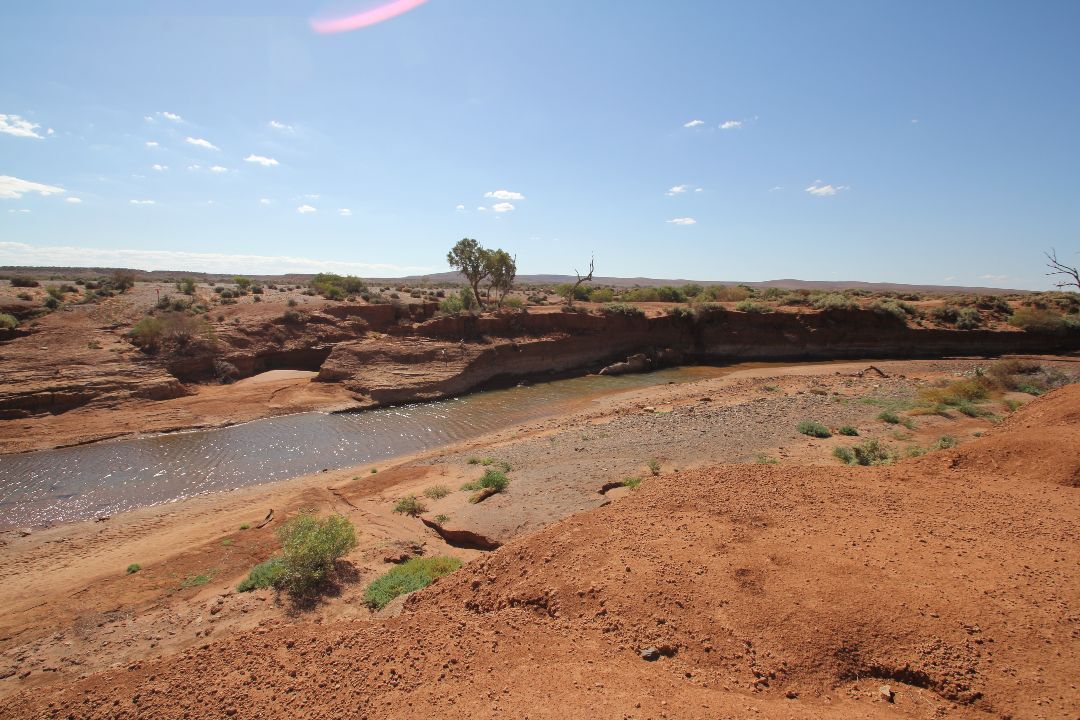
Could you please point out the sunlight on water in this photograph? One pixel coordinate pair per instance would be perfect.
(105, 478)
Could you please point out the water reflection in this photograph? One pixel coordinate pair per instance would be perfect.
(108, 477)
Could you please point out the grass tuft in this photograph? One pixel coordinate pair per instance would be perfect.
(410, 505)
(435, 492)
(407, 577)
(813, 429)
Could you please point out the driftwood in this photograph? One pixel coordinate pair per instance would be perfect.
(267, 520)
(874, 369)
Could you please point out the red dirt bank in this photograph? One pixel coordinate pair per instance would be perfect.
(769, 591)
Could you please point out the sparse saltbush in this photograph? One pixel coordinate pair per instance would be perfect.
(436, 492)
(310, 547)
(410, 505)
(654, 466)
(24, 282)
(945, 442)
(492, 481)
(868, 452)
(968, 319)
(8, 322)
(813, 429)
(266, 574)
(631, 482)
(624, 309)
(407, 577)
(763, 459)
(834, 301)
(848, 430)
(751, 306)
(1037, 320)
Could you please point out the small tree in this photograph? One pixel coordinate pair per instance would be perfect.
(470, 259)
(122, 280)
(580, 279)
(1071, 274)
(186, 286)
(242, 282)
(502, 269)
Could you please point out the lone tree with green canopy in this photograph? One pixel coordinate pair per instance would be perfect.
(470, 259)
(502, 269)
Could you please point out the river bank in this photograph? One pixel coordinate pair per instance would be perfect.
(72, 609)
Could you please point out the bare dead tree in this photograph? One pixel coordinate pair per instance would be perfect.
(580, 279)
(1071, 274)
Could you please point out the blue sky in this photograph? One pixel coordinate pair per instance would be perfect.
(923, 142)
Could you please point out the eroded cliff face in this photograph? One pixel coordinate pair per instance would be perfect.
(384, 354)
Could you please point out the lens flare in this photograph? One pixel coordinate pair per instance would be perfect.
(373, 16)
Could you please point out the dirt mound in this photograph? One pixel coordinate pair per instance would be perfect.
(788, 592)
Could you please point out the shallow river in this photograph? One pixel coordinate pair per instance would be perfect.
(104, 478)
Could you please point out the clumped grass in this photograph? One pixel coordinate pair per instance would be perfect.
(763, 459)
(770, 388)
(834, 301)
(631, 482)
(813, 429)
(440, 518)
(436, 492)
(1012, 405)
(407, 577)
(890, 417)
(133, 568)
(914, 451)
(245, 526)
(266, 574)
(197, 580)
(945, 442)
(374, 470)
(473, 461)
(848, 430)
(868, 452)
(750, 306)
(410, 505)
(654, 466)
(227, 542)
(310, 547)
(492, 481)
(624, 309)
(8, 322)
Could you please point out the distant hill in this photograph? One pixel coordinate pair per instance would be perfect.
(453, 277)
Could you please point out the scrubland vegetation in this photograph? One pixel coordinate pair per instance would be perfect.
(310, 547)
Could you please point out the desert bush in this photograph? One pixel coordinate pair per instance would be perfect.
(624, 309)
(514, 303)
(310, 547)
(51, 303)
(133, 568)
(493, 480)
(122, 280)
(1036, 320)
(148, 332)
(601, 295)
(899, 308)
(954, 394)
(407, 577)
(723, 293)
(834, 301)
(410, 505)
(813, 429)
(945, 314)
(945, 442)
(993, 303)
(436, 492)
(8, 322)
(848, 430)
(681, 311)
(968, 319)
(868, 452)
(266, 574)
(631, 482)
(186, 286)
(654, 466)
(23, 281)
(454, 304)
(293, 317)
(889, 416)
(750, 306)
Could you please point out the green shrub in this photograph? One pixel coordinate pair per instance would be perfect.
(601, 295)
(945, 442)
(1036, 320)
(310, 547)
(968, 319)
(763, 459)
(868, 452)
(441, 519)
(813, 429)
(491, 480)
(848, 430)
(410, 505)
(197, 580)
(270, 573)
(407, 577)
(681, 311)
(133, 568)
(186, 286)
(889, 417)
(834, 301)
(24, 282)
(631, 482)
(750, 306)
(624, 309)
(8, 322)
(654, 466)
(436, 492)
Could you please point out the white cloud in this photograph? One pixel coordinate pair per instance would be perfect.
(280, 126)
(143, 202)
(820, 189)
(19, 210)
(914, 121)
(678, 189)
(776, 188)
(460, 208)
(159, 167)
(504, 195)
(201, 143)
(312, 196)
(50, 131)
(151, 143)
(345, 212)
(731, 125)
(502, 207)
(481, 208)
(682, 221)
(19, 127)
(196, 166)
(993, 277)
(693, 123)
(305, 209)
(265, 201)
(73, 200)
(12, 188)
(15, 253)
(949, 278)
(699, 189)
(171, 116)
(219, 169)
(264, 161)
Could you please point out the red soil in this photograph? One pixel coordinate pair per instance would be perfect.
(787, 592)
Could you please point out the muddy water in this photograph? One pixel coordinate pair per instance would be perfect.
(104, 478)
